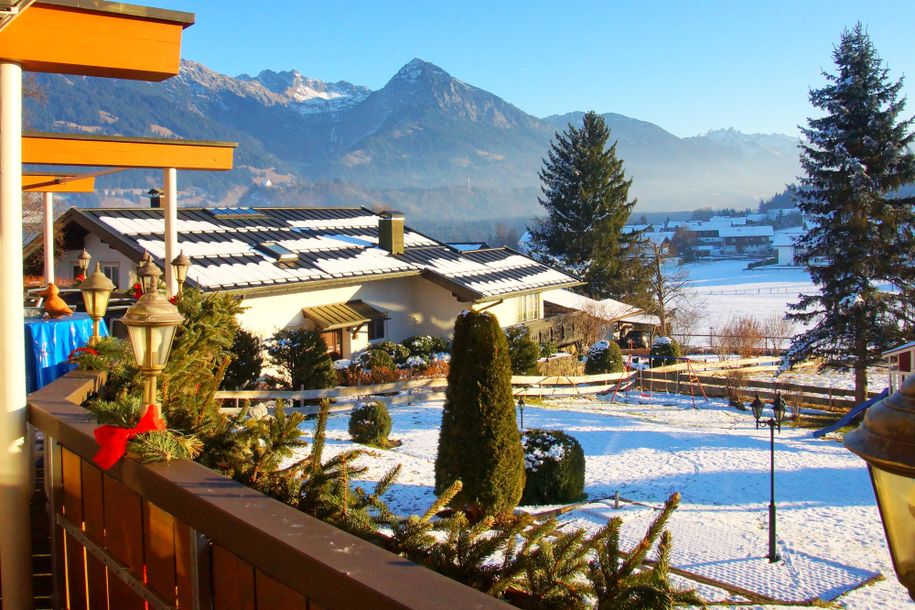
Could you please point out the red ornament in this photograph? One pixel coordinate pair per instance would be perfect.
(80, 277)
(173, 299)
(112, 440)
(137, 290)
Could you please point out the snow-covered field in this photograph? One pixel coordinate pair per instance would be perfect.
(726, 289)
(829, 528)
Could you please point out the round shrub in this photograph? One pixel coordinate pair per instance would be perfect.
(376, 359)
(370, 424)
(396, 351)
(554, 464)
(425, 345)
(664, 351)
(604, 357)
(416, 362)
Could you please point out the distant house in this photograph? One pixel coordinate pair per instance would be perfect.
(356, 276)
(749, 239)
(786, 248)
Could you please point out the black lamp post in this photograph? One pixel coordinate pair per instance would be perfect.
(778, 410)
(521, 409)
(886, 441)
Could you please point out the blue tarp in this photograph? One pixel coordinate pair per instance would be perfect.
(855, 412)
(48, 344)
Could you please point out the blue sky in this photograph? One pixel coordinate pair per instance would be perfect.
(688, 66)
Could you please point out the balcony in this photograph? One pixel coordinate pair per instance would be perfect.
(178, 535)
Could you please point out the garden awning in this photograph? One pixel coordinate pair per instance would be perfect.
(342, 315)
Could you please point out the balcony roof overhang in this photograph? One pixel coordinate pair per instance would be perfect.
(95, 38)
(117, 151)
(41, 182)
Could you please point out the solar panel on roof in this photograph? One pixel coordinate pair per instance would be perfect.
(235, 212)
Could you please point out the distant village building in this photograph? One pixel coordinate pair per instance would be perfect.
(901, 363)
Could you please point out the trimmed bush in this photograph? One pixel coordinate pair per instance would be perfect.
(479, 443)
(604, 357)
(396, 351)
(370, 424)
(376, 359)
(301, 357)
(664, 351)
(522, 350)
(554, 464)
(548, 349)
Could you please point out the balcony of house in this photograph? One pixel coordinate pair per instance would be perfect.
(178, 535)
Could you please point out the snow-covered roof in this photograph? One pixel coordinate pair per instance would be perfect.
(633, 228)
(784, 239)
(244, 248)
(658, 237)
(610, 310)
(905, 347)
(746, 231)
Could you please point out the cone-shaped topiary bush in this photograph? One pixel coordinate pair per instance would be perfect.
(604, 357)
(554, 465)
(664, 351)
(479, 443)
(370, 424)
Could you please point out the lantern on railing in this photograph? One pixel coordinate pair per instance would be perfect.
(151, 324)
(83, 262)
(886, 441)
(96, 291)
(180, 265)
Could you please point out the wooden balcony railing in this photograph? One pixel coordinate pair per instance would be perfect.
(178, 535)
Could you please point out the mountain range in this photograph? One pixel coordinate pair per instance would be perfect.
(426, 143)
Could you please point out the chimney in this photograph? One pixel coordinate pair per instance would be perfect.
(155, 198)
(390, 232)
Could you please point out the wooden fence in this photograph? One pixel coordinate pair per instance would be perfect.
(178, 535)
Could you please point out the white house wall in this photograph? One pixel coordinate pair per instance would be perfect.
(100, 253)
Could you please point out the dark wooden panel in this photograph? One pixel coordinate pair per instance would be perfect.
(233, 581)
(159, 536)
(183, 572)
(55, 489)
(94, 519)
(124, 540)
(71, 471)
(274, 594)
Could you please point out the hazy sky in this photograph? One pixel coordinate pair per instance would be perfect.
(687, 65)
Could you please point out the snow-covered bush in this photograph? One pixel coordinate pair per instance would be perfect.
(604, 357)
(441, 357)
(416, 362)
(554, 464)
(425, 345)
(396, 351)
(370, 424)
(664, 351)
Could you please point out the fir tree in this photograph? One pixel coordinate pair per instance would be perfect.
(586, 197)
(522, 350)
(247, 362)
(855, 158)
(479, 443)
(301, 356)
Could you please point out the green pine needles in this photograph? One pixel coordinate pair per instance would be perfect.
(479, 443)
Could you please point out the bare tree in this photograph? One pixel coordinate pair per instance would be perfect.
(688, 317)
(667, 285)
(776, 329)
(592, 323)
(741, 336)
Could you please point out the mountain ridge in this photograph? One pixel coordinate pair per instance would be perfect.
(424, 131)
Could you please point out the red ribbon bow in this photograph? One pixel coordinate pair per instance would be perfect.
(112, 440)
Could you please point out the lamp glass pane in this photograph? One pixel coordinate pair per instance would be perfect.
(89, 301)
(896, 496)
(100, 302)
(162, 337)
(139, 340)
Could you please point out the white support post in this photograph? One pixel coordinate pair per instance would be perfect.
(15, 533)
(170, 211)
(48, 238)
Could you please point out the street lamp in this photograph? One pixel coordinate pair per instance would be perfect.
(778, 410)
(140, 264)
(96, 290)
(83, 262)
(886, 441)
(521, 409)
(149, 275)
(151, 323)
(180, 265)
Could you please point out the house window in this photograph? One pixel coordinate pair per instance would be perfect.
(376, 329)
(529, 305)
(111, 271)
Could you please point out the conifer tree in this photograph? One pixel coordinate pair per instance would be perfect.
(586, 197)
(855, 158)
(301, 357)
(479, 443)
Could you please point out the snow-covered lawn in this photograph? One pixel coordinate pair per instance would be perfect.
(829, 528)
